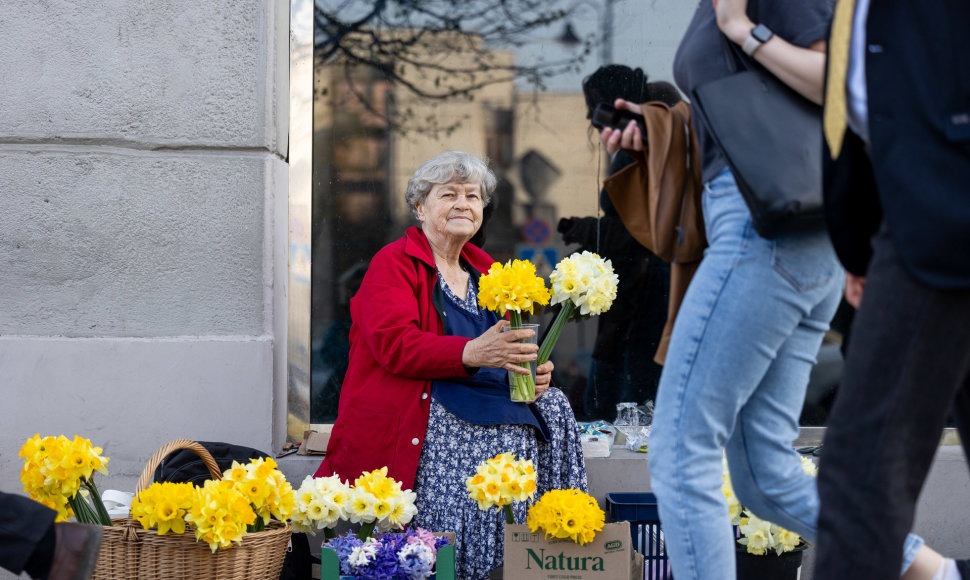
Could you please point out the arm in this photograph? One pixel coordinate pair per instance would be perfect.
(386, 312)
(387, 321)
(803, 69)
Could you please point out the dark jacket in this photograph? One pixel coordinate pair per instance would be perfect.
(917, 171)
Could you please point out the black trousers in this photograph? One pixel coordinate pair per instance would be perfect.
(907, 368)
(23, 523)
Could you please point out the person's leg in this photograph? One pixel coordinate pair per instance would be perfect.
(765, 471)
(907, 364)
(741, 308)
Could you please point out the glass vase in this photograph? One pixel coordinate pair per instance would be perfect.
(522, 387)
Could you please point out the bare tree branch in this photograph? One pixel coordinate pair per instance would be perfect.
(436, 49)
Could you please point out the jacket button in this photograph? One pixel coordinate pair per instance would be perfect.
(415, 441)
(424, 396)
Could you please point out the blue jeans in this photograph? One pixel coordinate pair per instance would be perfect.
(743, 344)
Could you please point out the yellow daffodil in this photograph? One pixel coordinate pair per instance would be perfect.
(757, 535)
(220, 514)
(500, 481)
(582, 282)
(163, 505)
(512, 287)
(58, 473)
(567, 513)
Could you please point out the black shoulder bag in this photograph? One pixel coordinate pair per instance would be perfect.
(772, 139)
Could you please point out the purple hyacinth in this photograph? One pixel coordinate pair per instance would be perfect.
(343, 545)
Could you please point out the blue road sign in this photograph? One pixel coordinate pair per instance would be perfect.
(536, 231)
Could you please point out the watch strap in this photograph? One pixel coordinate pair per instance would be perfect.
(750, 45)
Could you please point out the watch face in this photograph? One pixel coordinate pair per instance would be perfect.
(762, 33)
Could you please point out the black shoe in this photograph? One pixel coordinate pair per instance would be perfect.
(76, 549)
(963, 567)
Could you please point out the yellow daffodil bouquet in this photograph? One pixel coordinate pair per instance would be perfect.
(377, 501)
(514, 288)
(567, 513)
(502, 480)
(585, 284)
(59, 473)
(222, 511)
(374, 501)
(756, 534)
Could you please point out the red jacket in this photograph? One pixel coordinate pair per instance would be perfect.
(397, 346)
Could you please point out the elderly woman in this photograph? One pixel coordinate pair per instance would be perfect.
(426, 391)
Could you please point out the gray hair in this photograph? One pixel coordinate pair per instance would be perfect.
(445, 168)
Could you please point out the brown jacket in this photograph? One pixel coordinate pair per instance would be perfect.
(659, 199)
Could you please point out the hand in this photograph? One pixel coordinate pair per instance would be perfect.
(500, 350)
(732, 19)
(854, 285)
(544, 377)
(629, 138)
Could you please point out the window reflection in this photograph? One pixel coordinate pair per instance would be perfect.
(397, 83)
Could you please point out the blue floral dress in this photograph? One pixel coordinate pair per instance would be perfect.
(453, 449)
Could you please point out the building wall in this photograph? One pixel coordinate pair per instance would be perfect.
(142, 159)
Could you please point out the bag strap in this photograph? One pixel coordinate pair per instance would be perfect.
(734, 57)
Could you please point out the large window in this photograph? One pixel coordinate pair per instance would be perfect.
(396, 82)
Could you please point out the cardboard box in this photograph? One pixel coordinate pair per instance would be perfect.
(315, 442)
(530, 556)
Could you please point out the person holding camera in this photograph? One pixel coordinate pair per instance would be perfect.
(618, 371)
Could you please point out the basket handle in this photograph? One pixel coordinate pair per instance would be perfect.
(175, 445)
(149, 471)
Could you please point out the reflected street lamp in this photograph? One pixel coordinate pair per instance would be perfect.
(604, 11)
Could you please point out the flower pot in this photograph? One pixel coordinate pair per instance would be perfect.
(522, 388)
(770, 566)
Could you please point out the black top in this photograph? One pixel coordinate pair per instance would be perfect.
(700, 56)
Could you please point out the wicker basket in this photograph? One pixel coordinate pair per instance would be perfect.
(129, 551)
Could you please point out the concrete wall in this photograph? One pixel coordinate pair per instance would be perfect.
(142, 162)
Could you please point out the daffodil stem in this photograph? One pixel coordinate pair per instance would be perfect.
(103, 518)
(365, 530)
(509, 516)
(545, 351)
(83, 512)
(523, 386)
(329, 533)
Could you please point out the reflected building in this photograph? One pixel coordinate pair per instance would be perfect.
(369, 137)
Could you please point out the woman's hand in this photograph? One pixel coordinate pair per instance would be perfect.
(629, 137)
(544, 377)
(854, 287)
(500, 350)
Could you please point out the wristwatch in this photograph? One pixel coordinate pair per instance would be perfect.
(759, 35)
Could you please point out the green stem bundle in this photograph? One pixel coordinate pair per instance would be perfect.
(545, 350)
(84, 512)
(102, 512)
(366, 530)
(523, 386)
(509, 516)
